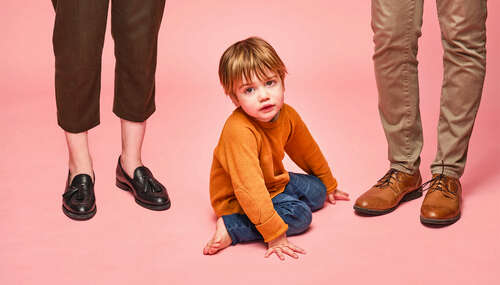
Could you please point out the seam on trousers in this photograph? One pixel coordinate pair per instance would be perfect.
(406, 75)
(445, 79)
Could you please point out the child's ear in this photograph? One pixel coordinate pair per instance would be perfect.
(234, 100)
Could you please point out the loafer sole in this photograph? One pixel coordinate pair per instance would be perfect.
(125, 187)
(77, 216)
(441, 222)
(412, 195)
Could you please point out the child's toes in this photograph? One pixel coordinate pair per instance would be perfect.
(213, 249)
(208, 247)
(205, 249)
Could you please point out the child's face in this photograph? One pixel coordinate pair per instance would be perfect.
(260, 99)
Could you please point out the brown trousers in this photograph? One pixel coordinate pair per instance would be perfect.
(78, 40)
(397, 27)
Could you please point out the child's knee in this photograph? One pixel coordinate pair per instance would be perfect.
(299, 220)
(318, 196)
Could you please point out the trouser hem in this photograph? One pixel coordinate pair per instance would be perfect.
(445, 172)
(403, 169)
(77, 129)
(134, 118)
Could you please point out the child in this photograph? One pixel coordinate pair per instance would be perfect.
(252, 194)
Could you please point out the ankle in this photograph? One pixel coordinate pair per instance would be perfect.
(129, 164)
(73, 171)
(80, 165)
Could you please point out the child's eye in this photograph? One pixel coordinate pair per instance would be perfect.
(249, 90)
(270, 82)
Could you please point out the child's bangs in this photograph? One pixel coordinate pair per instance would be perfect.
(247, 59)
(253, 65)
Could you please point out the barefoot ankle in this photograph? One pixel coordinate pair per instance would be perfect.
(220, 240)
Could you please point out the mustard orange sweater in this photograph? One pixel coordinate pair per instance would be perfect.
(247, 169)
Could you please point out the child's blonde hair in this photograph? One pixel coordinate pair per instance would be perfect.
(245, 58)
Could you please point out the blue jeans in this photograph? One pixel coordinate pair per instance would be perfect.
(303, 195)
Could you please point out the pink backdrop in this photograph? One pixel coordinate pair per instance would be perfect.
(327, 48)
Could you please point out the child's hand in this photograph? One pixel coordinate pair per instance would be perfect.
(281, 245)
(337, 195)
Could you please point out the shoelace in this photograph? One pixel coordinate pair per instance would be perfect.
(388, 179)
(437, 184)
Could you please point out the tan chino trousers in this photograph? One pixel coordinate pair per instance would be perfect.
(397, 26)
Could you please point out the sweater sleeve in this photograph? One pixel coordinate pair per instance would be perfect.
(305, 152)
(239, 156)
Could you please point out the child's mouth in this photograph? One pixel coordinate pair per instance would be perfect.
(266, 108)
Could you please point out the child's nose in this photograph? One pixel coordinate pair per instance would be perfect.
(263, 95)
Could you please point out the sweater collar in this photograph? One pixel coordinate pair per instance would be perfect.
(273, 124)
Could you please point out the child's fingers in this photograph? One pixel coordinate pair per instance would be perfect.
(331, 198)
(268, 252)
(296, 248)
(340, 195)
(275, 250)
(279, 253)
(289, 252)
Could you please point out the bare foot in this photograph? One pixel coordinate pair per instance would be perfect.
(220, 240)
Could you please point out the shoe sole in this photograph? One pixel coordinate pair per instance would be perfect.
(415, 194)
(439, 222)
(79, 217)
(125, 187)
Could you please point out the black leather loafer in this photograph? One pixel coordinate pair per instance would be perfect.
(78, 202)
(148, 192)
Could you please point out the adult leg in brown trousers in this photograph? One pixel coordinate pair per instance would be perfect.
(397, 25)
(78, 41)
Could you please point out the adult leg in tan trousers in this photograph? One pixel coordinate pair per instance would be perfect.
(397, 27)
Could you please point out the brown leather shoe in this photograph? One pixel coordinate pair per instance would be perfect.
(390, 191)
(442, 202)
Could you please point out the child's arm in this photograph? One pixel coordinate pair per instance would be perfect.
(305, 152)
(237, 153)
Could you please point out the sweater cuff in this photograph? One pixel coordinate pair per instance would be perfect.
(272, 228)
(332, 187)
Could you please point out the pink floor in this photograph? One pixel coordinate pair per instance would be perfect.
(327, 48)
